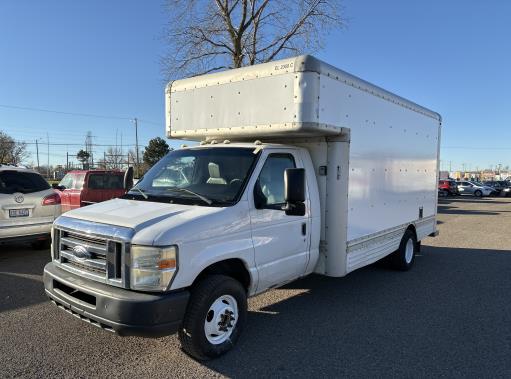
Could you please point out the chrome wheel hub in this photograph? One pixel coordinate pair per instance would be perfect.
(409, 251)
(221, 319)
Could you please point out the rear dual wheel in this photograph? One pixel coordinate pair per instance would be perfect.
(404, 257)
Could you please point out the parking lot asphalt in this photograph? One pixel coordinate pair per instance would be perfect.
(449, 316)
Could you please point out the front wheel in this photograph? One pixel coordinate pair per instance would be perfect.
(478, 193)
(403, 258)
(214, 318)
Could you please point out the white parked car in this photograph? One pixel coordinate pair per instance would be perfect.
(28, 206)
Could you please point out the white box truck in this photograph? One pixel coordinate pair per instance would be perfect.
(301, 168)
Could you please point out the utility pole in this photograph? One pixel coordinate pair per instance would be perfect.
(37, 152)
(136, 142)
(116, 149)
(121, 160)
(48, 168)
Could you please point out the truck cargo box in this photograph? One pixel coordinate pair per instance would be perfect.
(387, 167)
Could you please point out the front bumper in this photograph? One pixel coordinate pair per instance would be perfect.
(125, 312)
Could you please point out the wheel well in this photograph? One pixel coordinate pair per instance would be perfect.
(235, 268)
(413, 230)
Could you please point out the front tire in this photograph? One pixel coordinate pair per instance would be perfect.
(214, 318)
(403, 258)
(478, 193)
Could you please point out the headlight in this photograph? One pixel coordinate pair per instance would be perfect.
(152, 268)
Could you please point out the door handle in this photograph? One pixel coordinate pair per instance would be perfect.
(304, 229)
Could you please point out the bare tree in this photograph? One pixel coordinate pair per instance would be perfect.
(211, 35)
(132, 161)
(11, 151)
(114, 158)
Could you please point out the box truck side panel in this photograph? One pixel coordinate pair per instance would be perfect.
(393, 158)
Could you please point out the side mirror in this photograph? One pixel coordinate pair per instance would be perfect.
(128, 178)
(294, 191)
(57, 187)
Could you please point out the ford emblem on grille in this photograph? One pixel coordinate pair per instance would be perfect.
(81, 252)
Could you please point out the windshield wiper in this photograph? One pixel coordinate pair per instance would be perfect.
(203, 198)
(141, 192)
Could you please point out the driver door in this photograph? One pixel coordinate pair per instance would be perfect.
(281, 242)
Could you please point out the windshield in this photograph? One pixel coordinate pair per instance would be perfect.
(202, 176)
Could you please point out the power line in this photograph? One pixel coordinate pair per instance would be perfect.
(63, 112)
(75, 144)
(475, 148)
(111, 117)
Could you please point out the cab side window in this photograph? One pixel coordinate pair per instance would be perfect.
(78, 183)
(269, 189)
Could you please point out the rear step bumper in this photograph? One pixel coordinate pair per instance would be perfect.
(127, 313)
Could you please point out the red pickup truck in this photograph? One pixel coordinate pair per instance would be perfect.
(83, 187)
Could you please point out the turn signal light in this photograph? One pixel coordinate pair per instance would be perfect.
(166, 264)
(52, 199)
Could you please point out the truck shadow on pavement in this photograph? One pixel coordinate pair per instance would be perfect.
(442, 314)
(456, 207)
(475, 200)
(21, 271)
(457, 211)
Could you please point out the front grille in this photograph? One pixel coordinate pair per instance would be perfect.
(84, 252)
(95, 257)
(86, 267)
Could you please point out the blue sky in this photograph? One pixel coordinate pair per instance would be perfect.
(102, 57)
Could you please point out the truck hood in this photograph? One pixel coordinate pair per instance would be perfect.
(136, 215)
(159, 223)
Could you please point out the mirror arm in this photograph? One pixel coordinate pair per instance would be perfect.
(288, 207)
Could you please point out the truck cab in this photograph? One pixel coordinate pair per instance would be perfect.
(212, 209)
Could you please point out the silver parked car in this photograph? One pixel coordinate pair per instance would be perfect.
(474, 188)
(28, 206)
